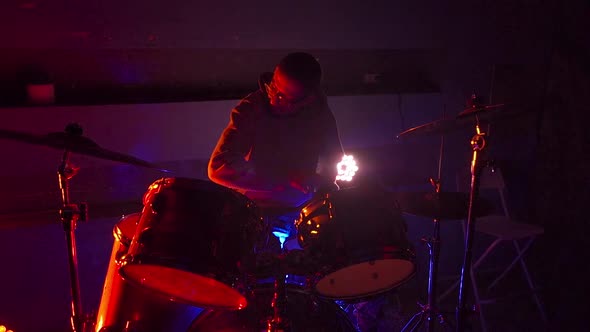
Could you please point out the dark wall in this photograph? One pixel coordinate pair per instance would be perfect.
(561, 175)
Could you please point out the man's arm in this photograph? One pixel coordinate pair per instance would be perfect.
(229, 165)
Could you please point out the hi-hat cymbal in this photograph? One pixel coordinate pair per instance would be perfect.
(444, 205)
(466, 118)
(75, 142)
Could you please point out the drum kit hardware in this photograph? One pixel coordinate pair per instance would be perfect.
(191, 259)
(475, 208)
(73, 141)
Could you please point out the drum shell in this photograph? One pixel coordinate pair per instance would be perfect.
(353, 224)
(124, 304)
(360, 231)
(198, 227)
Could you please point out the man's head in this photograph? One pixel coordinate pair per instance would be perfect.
(295, 81)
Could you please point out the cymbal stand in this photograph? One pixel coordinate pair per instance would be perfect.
(70, 214)
(430, 311)
(278, 322)
(478, 143)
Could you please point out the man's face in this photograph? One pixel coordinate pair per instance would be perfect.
(287, 95)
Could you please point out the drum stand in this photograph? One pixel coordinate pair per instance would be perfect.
(478, 144)
(70, 214)
(429, 310)
(278, 321)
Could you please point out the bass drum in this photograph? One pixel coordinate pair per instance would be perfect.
(356, 238)
(304, 312)
(125, 307)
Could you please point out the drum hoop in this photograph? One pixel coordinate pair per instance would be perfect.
(118, 233)
(373, 255)
(164, 295)
(403, 254)
(162, 183)
(364, 297)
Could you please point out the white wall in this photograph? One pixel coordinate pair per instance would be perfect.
(180, 136)
(185, 131)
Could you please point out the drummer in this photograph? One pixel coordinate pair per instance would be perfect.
(281, 142)
(280, 145)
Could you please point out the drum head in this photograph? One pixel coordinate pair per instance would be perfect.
(185, 287)
(365, 279)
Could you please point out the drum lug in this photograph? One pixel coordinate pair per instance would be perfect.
(124, 259)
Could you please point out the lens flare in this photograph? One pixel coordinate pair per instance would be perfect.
(347, 168)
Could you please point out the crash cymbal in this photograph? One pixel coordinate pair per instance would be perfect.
(467, 118)
(444, 205)
(73, 141)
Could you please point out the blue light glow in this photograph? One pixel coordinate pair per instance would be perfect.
(281, 236)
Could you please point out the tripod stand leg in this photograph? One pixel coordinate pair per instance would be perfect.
(414, 322)
(477, 144)
(76, 318)
(70, 214)
(477, 301)
(434, 247)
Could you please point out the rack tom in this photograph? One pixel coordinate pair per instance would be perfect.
(194, 243)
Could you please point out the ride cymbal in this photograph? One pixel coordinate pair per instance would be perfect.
(73, 141)
(467, 118)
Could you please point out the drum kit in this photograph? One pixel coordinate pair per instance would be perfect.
(191, 259)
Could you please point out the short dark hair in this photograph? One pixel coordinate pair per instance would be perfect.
(302, 67)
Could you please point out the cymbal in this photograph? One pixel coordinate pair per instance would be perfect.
(478, 110)
(444, 205)
(466, 118)
(76, 143)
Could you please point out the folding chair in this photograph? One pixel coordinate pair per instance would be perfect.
(503, 228)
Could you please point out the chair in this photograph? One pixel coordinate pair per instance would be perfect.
(503, 228)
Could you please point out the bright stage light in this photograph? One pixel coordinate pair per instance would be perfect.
(347, 168)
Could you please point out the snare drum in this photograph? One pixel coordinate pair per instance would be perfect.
(357, 238)
(194, 243)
